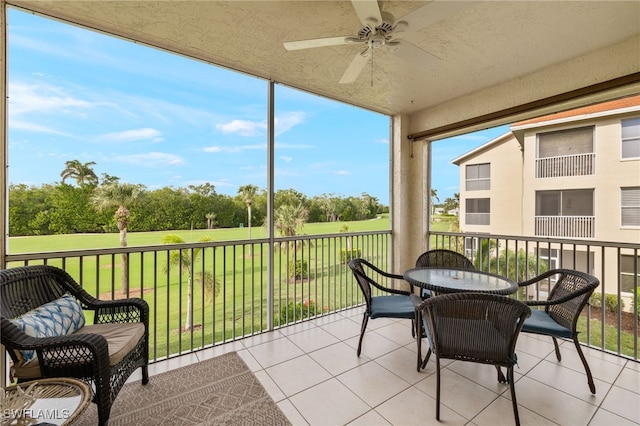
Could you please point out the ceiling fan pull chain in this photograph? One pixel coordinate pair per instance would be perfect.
(372, 50)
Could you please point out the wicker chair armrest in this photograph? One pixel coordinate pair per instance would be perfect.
(417, 301)
(93, 346)
(388, 275)
(557, 301)
(120, 311)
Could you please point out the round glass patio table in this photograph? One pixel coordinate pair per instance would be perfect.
(56, 401)
(441, 280)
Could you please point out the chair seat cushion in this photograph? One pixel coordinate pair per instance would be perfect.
(121, 339)
(541, 323)
(392, 307)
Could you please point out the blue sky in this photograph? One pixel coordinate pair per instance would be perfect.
(160, 119)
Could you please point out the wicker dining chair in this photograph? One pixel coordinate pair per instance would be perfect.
(43, 330)
(559, 318)
(443, 258)
(473, 327)
(394, 303)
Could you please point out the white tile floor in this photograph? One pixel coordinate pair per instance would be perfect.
(312, 372)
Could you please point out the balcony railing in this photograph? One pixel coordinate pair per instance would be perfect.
(566, 165)
(611, 321)
(565, 226)
(209, 293)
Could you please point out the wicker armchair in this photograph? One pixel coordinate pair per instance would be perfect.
(559, 318)
(83, 354)
(396, 304)
(474, 327)
(442, 258)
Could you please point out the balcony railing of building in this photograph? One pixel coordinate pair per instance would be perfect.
(565, 226)
(210, 293)
(610, 322)
(566, 165)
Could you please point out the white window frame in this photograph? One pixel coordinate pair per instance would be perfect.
(479, 183)
(630, 203)
(630, 137)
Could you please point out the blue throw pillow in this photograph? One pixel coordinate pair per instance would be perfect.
(57, 318)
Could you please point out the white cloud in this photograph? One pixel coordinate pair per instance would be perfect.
(27, 98)
(34, 127)
(232, 149)
(242, 127)
(342, 172)
(151, 159)
(287, 121)
(133, 135)
(283, 123)
(286, 158)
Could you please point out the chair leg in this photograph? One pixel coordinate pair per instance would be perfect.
(513, 395)
(426, 359)
(501, 378)
(437, 387)
(365, 320)
(592, 386)
(145, 374)
(555, 344)
(418, 336)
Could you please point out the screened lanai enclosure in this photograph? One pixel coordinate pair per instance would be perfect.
(430, 70)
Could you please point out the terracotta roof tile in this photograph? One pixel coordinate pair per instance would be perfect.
(591, 109)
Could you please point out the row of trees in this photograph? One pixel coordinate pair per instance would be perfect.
(90, 204)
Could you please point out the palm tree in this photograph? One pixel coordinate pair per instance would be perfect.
(82, 173)
(186, 259)
(288, 220)
(248, 192)
(434, 197)
(211, 220)
(119, 195)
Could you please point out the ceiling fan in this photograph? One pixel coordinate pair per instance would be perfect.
(380, 30)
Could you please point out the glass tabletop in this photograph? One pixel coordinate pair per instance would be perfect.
(45, 401)
(454, 280)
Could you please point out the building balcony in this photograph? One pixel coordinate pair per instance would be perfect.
(565, 226)
(296, 324)
(566, 165)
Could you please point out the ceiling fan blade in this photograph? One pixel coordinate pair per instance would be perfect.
(417, 57)
(367, 9)
(316, 42)
(433, 12)
(355, 67)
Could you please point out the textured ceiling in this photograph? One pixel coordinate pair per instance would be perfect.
(484, 44)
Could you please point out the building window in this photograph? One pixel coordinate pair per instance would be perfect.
(477, 211)
(478, 177)
(629, 273)
(567, 213)
(631, 138)
(571, 202)
(565, 153)
(630, 206)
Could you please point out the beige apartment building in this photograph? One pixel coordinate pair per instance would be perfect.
(573, 175)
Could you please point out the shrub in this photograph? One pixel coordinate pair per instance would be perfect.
(293, 312)
(347, 255)
(299, 269)
(610, 302)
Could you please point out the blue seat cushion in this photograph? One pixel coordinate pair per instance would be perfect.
(541, 323)
(392, 307)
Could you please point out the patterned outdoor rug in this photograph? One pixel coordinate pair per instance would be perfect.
(219, 391)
